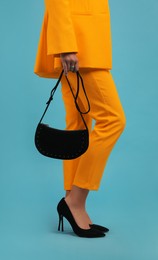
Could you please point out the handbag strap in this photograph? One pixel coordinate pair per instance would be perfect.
(75, 96)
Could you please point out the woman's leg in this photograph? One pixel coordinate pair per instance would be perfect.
(73, 122)
(76, 200)
(75, 196)
(107, 111)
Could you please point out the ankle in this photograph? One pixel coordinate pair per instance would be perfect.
(75, 204)
(77, 197)
(67, 193)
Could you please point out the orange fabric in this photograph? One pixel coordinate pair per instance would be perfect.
(81, 26)
(106, 109)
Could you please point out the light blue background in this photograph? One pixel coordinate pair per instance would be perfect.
(31, 185)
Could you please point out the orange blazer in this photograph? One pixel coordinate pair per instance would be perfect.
(81, 26)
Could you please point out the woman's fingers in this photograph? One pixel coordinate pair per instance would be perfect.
(65, 68)
(72, 66)
(69, 62)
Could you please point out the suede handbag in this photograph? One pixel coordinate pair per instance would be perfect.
(63, 144)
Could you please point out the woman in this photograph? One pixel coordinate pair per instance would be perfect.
(76, 36)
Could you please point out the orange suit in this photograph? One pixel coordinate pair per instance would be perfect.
(83, 26)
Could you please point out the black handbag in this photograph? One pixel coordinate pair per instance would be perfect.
(63, 144)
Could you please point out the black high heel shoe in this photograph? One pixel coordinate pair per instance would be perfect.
(64, 211)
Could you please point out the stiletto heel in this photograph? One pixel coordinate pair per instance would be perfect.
(61, 222)
(64, 211)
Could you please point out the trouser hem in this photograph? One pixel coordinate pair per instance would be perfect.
(83, 186)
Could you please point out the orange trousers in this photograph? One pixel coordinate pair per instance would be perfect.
(107, 113)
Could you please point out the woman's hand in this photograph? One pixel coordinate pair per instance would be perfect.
(69, 62)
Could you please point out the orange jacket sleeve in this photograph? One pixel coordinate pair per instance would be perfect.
(60, 32)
